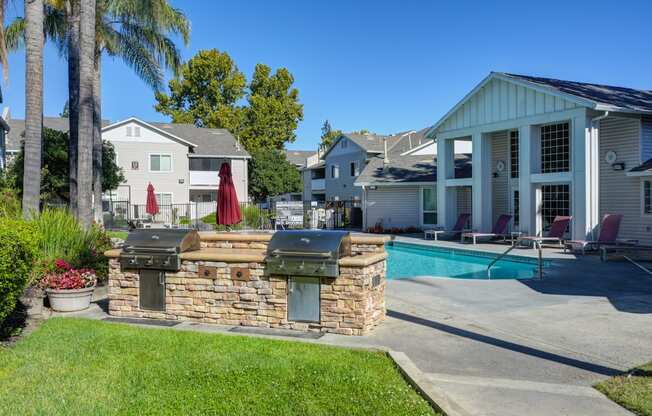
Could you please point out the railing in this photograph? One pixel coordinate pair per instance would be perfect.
(204, 178)
(537, 245)
(318, 184)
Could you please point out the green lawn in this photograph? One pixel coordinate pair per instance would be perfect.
(633, 392)
(118, 234)
(83, 367)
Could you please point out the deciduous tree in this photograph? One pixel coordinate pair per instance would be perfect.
(271, 174)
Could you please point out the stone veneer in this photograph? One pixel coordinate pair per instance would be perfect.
(351, 304)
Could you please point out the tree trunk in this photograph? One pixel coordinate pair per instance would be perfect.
(97, 141)
(86, 109)
(72, 11)
(34, 39)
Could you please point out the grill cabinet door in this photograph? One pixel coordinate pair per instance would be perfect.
(303, 299)
(152, 290)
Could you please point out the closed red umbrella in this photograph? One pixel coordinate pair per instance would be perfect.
(228, 208)
(152, 205)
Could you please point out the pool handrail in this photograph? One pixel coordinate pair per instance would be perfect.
(537, 245)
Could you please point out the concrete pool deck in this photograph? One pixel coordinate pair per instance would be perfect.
(510, 347)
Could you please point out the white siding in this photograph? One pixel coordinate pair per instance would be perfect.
(620, 194)
(499, 184)
(500, 100)
(239, 172)
(396, 206)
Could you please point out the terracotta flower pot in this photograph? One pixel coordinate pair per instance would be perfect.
(70, 300)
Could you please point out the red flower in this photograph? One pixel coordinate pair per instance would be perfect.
(61, 264)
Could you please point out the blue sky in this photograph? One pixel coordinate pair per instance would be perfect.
(385, 66)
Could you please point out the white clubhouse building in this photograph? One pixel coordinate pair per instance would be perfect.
(544, 147)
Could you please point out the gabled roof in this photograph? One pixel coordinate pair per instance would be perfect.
(17, 129)
(299, 157)
(203, 142)
(406, 170)
(208, 141)
(372, 143)
(595, 96)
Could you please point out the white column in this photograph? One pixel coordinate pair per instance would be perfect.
(446, 197)
(584, 166)
(482, 170)
(527, 206)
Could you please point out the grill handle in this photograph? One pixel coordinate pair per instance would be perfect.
(279, 252)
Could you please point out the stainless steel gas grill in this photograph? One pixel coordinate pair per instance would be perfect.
(306, 257)
(152, 252)
(307, 253)
(157, 248)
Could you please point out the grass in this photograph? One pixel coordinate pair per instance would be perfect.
(118, 234)
(83, 367)
(633, 391)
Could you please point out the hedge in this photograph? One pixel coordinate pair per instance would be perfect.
(19, 243)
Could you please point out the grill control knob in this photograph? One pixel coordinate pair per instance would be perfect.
(302, 265)
(149, 261)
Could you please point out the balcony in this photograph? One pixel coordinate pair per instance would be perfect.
(204, 178)
(318, 184)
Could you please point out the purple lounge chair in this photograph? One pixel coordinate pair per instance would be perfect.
(609, 229)
(555, 233)
(499, 230)
(458, 228)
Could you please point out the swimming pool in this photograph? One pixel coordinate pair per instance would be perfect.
(410, 260)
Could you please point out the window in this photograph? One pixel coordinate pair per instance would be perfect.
(513, 153)
(160, 163)
(129, 131)
(647, 197)
(344, 143)
(555, 201)
(163, 198)
(429, 205)
(335, 171)
(354, 169)
(137, 131)
(206, 164)
(555, 148)
(516, 201)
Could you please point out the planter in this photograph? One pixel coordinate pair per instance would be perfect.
(32, 299)
(70, 300)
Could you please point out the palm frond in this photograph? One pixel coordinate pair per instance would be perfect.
(15, 34)
(141, 60)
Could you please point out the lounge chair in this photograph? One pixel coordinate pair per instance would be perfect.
(609, 229)
(499, 230)
(457, 229)
(555, 233)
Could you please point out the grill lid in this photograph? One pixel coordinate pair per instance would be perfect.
(310, 243)
(162, 240)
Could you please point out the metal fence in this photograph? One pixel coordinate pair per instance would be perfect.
(202, 215)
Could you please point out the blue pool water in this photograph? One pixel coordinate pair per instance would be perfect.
(410, 260)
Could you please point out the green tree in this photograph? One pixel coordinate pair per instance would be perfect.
(328, 135)
(274, 111)
(55, 185)
(206, 92)
(209, 88)
(271, 174)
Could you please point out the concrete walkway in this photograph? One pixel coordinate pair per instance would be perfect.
(509, 347)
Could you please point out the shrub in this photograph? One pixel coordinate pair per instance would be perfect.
(252, 217)
(19, 244)
(9, 204)
(62, 237)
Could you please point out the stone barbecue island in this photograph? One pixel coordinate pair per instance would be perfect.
(229, 279)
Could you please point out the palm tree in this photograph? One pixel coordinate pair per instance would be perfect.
(135, 31)
(4, 58)
(86, 110)
(34, 38)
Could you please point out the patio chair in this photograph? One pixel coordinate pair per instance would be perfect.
(609, 229)
(458, 228)
(555, 233)
(499, 230)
